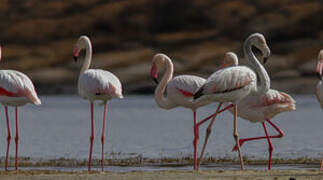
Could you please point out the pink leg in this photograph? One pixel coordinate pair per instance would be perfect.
(271, 148)
(236, 135)
(8, 138)
(195, 141)
(321, 168)
(207, 134)
(280, 135)
(91, 138)
(16, 138)
(214, 114)
(103, 135)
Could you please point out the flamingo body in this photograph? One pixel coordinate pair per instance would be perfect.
(97, 84)
(266, 106)
(16, 89)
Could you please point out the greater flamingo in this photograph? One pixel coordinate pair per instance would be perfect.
(95, 84)
(16, 89)
(180, 91)
(232, 84)
(319, 86)
(260, 108)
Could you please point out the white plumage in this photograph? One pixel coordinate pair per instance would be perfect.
(232, 84)
(16, 89)
(95, 84)
(180, 91)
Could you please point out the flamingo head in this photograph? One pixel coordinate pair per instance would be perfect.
(158, 61)
(258, 40)
(81, 43)
(320, 65)
(230, 59)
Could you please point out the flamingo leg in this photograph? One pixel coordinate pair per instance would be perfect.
(214, 114)
(91, 138)
(195, 141)
(236, 135)
(280, 135)
(321, 168)
(8, 138)
(103, 134)
(16, 138)
(271, 148)
(207, 134)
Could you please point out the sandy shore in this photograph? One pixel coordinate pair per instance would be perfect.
(209, 174)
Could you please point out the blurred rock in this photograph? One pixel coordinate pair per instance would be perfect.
(38, 36)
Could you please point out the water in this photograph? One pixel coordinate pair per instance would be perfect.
(137, 127)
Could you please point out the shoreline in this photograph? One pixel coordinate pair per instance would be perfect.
(204, 174)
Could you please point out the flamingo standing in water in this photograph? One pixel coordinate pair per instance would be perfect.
(95, 84)
(319, 86)
(232, 84)
(180, 91)
(259, 108)
(16, 89)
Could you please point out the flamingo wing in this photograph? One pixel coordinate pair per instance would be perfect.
(227, 80)
(16, 84)
(186, 85)
(95, 82)
(276, 97)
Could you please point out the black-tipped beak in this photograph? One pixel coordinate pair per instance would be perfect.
(265, 60)
(155, 80)
(75, 58)
(319, 76)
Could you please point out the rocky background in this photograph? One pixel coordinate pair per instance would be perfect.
(37, 37)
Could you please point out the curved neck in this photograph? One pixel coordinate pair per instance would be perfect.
(88, 57)
(258, 68)
(161, 100)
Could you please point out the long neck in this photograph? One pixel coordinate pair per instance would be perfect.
(88, 57)
(161, 100)
(258, 68)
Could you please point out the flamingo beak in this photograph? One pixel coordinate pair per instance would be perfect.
(76, 52)
(154, 73)
(319, 76)
(75, 58)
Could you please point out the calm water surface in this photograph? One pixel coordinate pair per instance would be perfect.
(136, 126)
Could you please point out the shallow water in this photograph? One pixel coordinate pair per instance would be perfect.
(137, 127)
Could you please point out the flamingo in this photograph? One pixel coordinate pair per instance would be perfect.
(180, 91)
(232, 84)
(95, 84)
(260, 108)
(319, 86)
(16, 89)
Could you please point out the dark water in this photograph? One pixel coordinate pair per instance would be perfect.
(137, 127)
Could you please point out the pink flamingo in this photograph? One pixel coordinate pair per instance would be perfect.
(261, 108)
(16, 89)
(232, 84)
(319, 86)
(180, 91)
(95, 84)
